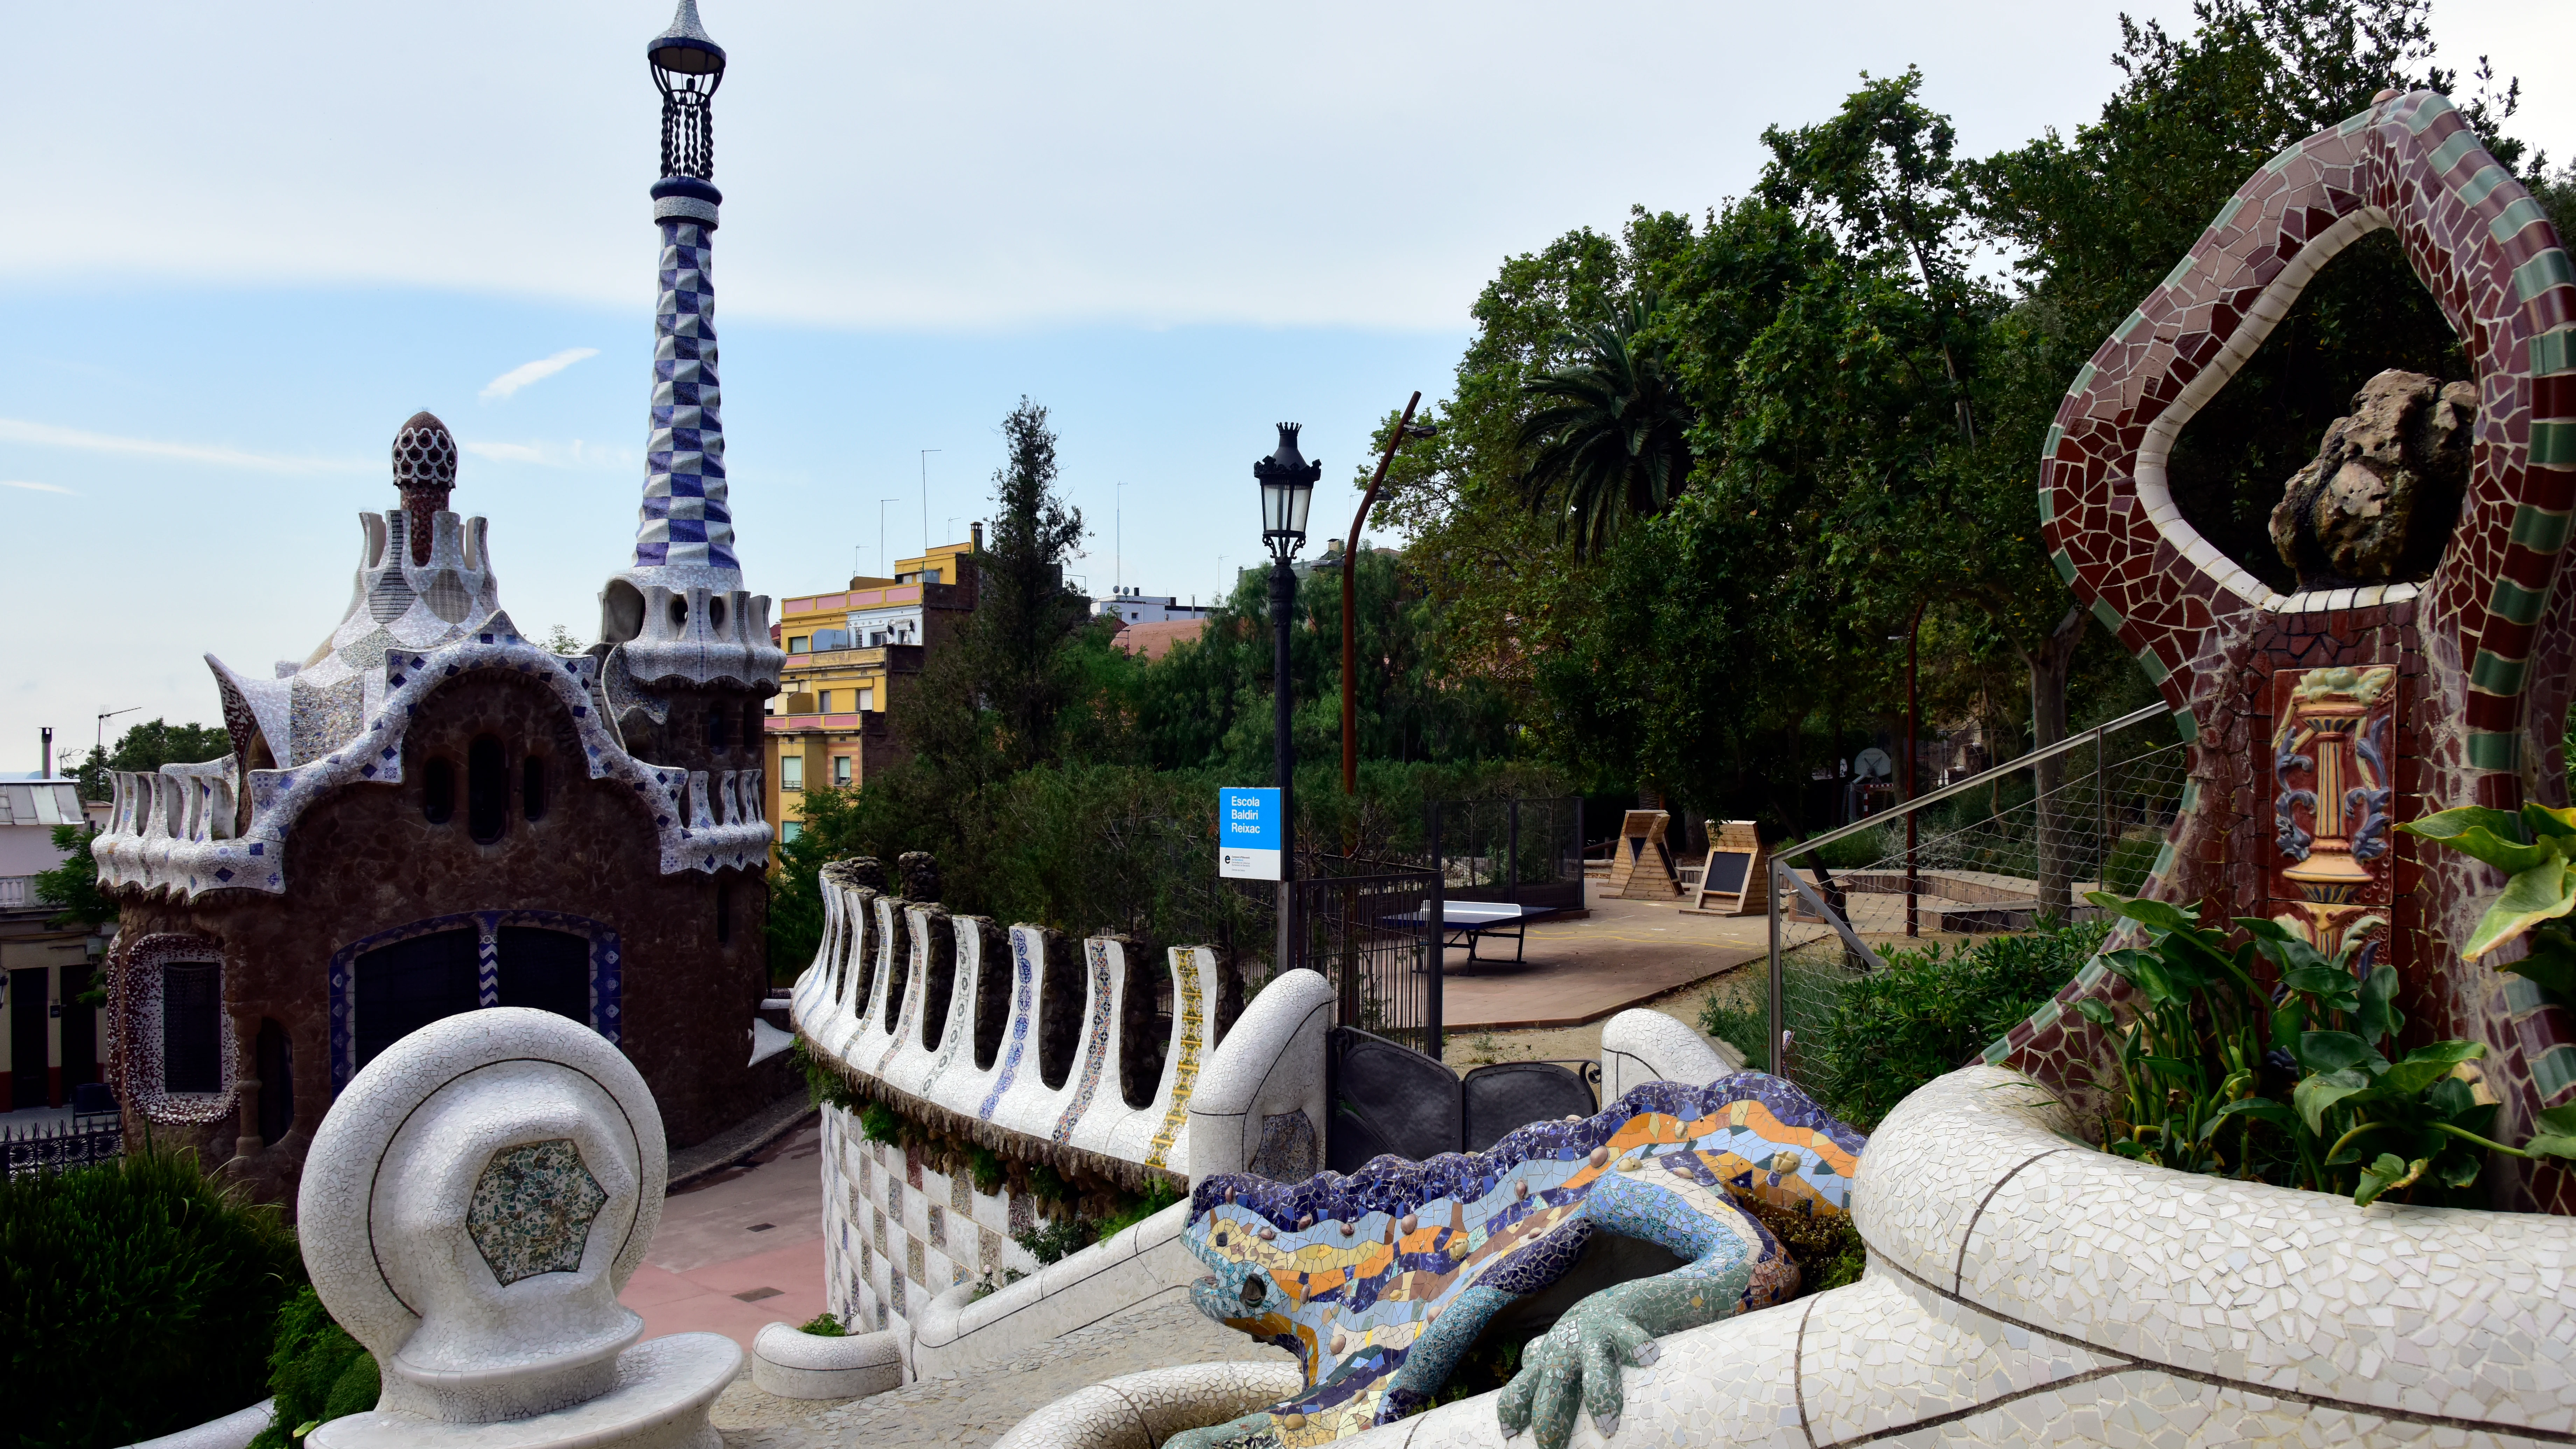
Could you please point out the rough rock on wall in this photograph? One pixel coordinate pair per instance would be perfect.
(920, 872)
(2379, 501)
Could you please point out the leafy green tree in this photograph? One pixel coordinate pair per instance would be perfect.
(73, 885)
(991, 701)
(147, 747)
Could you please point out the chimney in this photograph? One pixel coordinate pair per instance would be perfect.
(45, 756)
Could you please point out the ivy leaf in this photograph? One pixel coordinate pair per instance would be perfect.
(2378, 1015)
(2494, 836)
(2387, 1173)
(2426, 1065)
(2333, 1051)
(2544, 893)
(2314, 1095)
(2545, 823)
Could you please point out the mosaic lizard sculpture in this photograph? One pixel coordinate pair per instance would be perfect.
(1380, 1281)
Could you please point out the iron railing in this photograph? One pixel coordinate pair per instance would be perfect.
(2008, 849)
(43, 1149)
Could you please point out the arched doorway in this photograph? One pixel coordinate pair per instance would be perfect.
(391, 984)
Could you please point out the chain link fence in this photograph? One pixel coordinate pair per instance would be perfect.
(2010, 849)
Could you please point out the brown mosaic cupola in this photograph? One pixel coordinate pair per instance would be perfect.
(425, 471)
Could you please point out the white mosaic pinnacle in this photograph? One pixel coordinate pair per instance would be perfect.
(685, 533)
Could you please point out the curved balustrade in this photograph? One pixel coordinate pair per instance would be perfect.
(1017, 1031)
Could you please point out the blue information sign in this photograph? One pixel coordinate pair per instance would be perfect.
(1248, 833)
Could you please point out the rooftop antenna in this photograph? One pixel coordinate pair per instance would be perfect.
(925, 500)
(108, 714)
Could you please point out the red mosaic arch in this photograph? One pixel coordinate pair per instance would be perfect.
(2478, 656)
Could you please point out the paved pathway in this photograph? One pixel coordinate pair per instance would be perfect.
(739, 1247)
(1626, 954)
(979, 1408)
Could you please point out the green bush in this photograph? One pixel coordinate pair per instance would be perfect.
(1884, 1033)
(1157, 1196)
(821, 1325)
(1050, 1241)
(136, 1299)
(878, 1123)
(985, 1167)
(316, 1371)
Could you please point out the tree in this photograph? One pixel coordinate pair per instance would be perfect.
(145, 748)
(1606, 436)
(990, 701)
(73, 885)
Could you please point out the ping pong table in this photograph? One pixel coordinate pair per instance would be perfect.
(1467, 922)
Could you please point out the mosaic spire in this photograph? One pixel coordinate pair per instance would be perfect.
(685, 524)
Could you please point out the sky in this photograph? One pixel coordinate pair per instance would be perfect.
(246, 244)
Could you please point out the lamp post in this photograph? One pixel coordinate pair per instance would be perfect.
(1287, 487)
(1405, 428)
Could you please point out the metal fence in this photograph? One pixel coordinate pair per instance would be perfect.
(1360, 924)
(2005, 850)
(1526, 851)
(44, 1149)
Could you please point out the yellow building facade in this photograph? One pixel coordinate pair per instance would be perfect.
(849, 654)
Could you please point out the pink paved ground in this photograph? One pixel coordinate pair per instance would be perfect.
(1626, 954)
(706, 1252)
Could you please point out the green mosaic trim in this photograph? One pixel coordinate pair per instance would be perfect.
(2492, 674)
(2553, 1070)
(2515, 217)
(2228, 212)
(2065, 564)
(2182, 269)
(2157, 670)
(2522, 994)
(2109, 616)
(2359, 122)
(2189, 726)
(2554, 352)
(2164, 866)
(2285, 157)
(2482, 185)
(2190, 797)
(2538, 529)
(2047, 505)
(2093, 974)
(2047, 1016)
(2516, 604)
(2549, 269)
(2432, 108)
(2553, 444)
(2048, 445)
(2451, 152)
(2494, 750)
(2137, 318)
(2083, 380)
(1997, 1051)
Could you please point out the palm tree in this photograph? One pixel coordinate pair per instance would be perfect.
(1606, 439)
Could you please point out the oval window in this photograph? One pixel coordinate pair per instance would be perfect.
(532, 788)
(438, 792)
(679, 612)
(487, 790)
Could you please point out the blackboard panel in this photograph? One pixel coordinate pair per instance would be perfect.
(1726, 871)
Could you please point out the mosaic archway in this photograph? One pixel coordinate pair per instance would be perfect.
(2398, 699)
(604, 969)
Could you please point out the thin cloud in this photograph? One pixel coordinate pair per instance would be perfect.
(35, 487)
(575, 454)
(537, 371)
(18, 430)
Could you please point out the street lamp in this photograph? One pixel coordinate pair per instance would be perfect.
(1287, 487)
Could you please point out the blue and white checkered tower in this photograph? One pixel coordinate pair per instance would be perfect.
(681, 613)
(685, 524)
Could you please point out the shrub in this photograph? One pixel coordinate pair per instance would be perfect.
(1157, 1196)
(1892, 1031)
(985, 1167)
(1052, 1240)
(1879, 1035)
(316, 1371)
(821, 1325)
(136, 1299)
(878, 1123)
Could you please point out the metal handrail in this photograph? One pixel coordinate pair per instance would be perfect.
(2045, 752)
